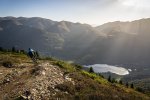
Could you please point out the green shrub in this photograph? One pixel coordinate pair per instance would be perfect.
(94, 76)
(100, 75)
(78, 67)
(60, 64)
(65, 65)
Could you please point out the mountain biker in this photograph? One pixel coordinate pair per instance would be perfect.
(32, 54)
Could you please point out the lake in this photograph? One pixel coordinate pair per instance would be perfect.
(103, 68)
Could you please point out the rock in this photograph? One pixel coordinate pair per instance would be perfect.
(67, 78)
(22, 97)
(43, 73)
(5, 81)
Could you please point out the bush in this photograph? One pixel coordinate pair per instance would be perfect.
(7, 64)
(78, 67)
(65, 65)
(60, 64)
(94, 77)
(100, 75)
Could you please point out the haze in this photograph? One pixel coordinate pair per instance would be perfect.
(94, 12)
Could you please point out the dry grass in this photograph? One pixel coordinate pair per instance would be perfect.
(87, 86)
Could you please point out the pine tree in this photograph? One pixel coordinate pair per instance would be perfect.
(109, 78)
(1, 49)
(120, 82)
(132, 86)
(100, 75)
(91, 70)
(13, 49)
(113, 80)
(127, 84)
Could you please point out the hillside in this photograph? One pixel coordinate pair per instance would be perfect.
(51, 79)
(53, 37)
(124, 44)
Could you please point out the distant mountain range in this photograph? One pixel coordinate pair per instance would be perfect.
(110, 43)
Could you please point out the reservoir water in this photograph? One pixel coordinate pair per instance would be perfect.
(102, 68)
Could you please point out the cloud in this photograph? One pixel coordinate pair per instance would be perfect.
(135, 3)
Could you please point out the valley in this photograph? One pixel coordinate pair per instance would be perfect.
(124, 44)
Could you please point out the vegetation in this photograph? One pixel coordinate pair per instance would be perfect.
(7, 63)
(142, 85)
(78, 67)
(91, 70)
(94, 76)
(51, 33)
(127, 84)
(120, 82)
(132, 86)
(64, 65)
(13, 49)
(139, 89)
(84, 85)
(109, 78)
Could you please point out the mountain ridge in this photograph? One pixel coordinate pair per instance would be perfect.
(55, 37)
(125, 45)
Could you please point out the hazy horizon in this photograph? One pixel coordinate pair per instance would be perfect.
(93, 12)
(93, 25)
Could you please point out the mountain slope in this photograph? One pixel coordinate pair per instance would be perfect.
(53, 37)
(111, 43)
(51, 79)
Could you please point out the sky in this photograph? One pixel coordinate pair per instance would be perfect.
(93, 12)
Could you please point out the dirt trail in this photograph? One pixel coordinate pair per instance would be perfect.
(38, 80)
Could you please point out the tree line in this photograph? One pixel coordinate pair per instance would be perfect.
(15, 50)
(113, 80)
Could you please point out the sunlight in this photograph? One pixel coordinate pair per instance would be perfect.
(130, 2)
(135, 3)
